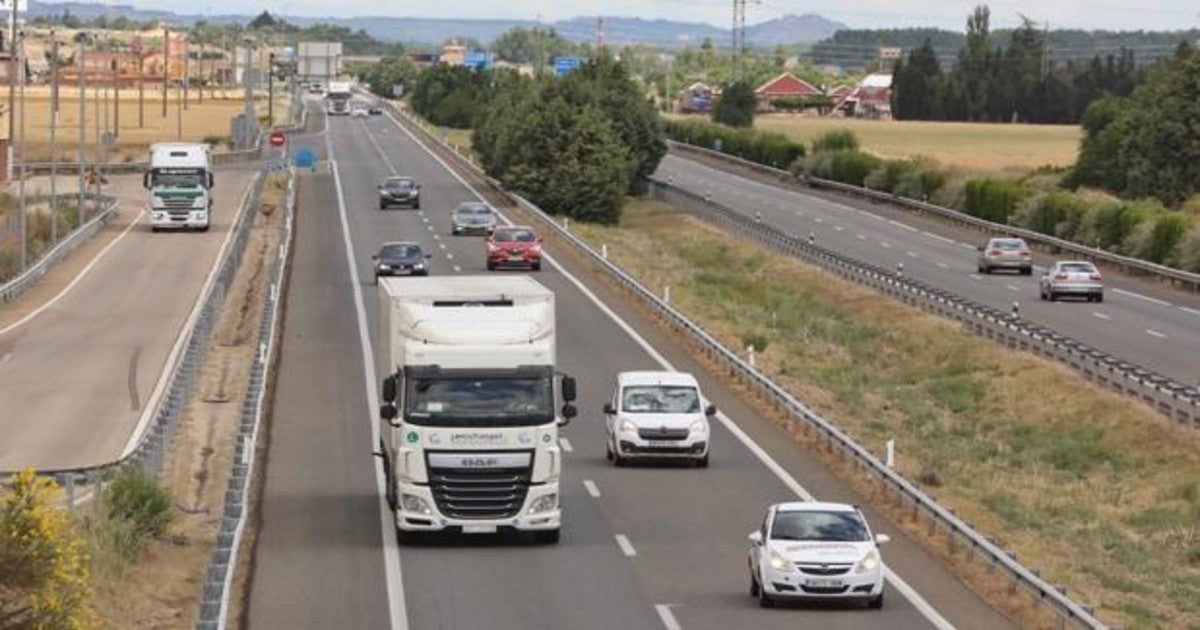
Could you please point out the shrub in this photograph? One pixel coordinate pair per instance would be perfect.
(951, 194)
(1055, 214)
(852, 167)
(1189, 250)
(136, 496)
(887, 176)
(1157, 239)
(771, 149)
(835, 140)
(993, 199)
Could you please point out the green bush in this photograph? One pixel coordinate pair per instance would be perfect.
(852, 167)
(135, 496)
(771, 149)
(835, 140)
(993, 199)
(1189, 250)
(1055, 214)
(1159, 238)
(887, 176)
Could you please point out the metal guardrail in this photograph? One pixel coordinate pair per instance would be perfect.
(1133, 266)
(214, 598)
(960, 535)
(18, 285)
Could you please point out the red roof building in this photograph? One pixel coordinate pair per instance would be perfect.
(871, 98)
(784, 86)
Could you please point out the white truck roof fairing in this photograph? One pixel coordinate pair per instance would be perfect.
(466, 322)
(339, 88)
(179, 155)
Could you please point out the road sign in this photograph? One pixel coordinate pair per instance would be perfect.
(305, 158)
(278, 138)
(564, 65)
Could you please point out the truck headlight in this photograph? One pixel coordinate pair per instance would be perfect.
(544, 503)
(698, 426)
(869, 563)
(627, 426)
(778, 561)
(415, 504)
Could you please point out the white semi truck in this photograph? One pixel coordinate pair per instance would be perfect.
(470, 413)
(180, 181)
(337, 98)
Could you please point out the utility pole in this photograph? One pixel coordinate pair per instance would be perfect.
(80, 49)
(166, 67)
(117, 90)
(53, 137)
(1046, 51)
(599, 34)
(200, 88)
(12, 80)
(141, 59)
(271, 90)
(739, 36)
(181, 102)
(187, 70)
(19, 48)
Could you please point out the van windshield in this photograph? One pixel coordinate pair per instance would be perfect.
(660, 399)
(178, 178)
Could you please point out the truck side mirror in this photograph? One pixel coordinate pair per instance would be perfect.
(568, 388)
(210, 180)
(389, 389)
(146, 180)
(710, 410)
(387, 412)
(609, 409)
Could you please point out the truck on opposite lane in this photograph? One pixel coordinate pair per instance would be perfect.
(471, 405)
(180, 179)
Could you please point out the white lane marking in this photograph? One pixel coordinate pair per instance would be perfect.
(425, 219)
(967, 246)
(911, 254)
(1014, 288)
(7, 357)
(883, 244)
(82, 274)
(943, 265)
(666, 616)
(626, 546)
(860, 237)
(1155, 333)
(820, 220)
(430, 227)
(939, 237)
(442, 245)
(449, 256)
(908, 592)
(1142, 297)
(838, 228)
(457, 269)
(799, 213)
(1101, 316)
(1189, 310)
(905, 226)
(591, 488)
(565, 445)
(975, 276)
(391, 553)
(437, 237)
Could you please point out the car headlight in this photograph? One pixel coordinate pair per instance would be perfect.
(778, 561)
(869, 563)
(698, 426)
(627, 426)
(545, 503)
(419, 265)
(415, 504)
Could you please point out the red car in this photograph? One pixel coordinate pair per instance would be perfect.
(514, 246)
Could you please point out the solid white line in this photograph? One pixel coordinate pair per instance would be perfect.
(591, 488)
(966, 246)
(1142, 297)
(626, 547)
(457, 269)
(899, 224)
(565, 445)
(82, 274)
(391, 552)
(939, 237)
(1101, 316)
(1155, 333)
(912, 255)
(1189, 310)
(1013, 287)
(943, 265)
(915, 598)
(666, 616)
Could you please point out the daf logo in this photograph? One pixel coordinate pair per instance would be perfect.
(479, 462)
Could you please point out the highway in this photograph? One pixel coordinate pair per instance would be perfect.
(1138, 321)
(642, 547)
(78, 368)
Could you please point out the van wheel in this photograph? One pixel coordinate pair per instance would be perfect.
(547, 537)
(876, 603)
(701, 463)
(753, 585)
(608, 452)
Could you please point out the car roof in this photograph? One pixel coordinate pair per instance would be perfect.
(392, 178)
(516, 227)
(399, 243)
(813, 506)
(647, 377)
(1075, 262)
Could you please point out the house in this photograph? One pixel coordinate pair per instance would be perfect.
(697, 98)
(871, 98)
(784, 88)
(421, 60)
(453, 54)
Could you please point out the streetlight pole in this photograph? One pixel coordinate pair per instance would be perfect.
(181, 100)
(53, 137)
(80, 49)
(20, 48)
(12, 79)
(271, 90)
(166, 67)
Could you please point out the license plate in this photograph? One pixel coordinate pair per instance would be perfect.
(515, 258)
(822, 583)
(661, 443)
(479, 529)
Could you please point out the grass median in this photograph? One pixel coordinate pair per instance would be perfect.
(1099, 493)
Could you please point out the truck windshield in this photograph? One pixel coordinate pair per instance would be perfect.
(178, 178)
(479, 402)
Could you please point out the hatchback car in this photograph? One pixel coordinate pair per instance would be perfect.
(1005, 253)
(401, 259)
(375, 110)
(815, 551)
(399, 191)
(1073, 278)
(514, 246)
(358, 112)
(473, 217)
(657, 415)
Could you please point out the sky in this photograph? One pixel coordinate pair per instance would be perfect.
(950, 14)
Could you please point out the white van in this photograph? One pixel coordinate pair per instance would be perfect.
(658, 415)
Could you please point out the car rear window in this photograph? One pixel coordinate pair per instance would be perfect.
(516, 236)
(1077, 268)
(1008, 243)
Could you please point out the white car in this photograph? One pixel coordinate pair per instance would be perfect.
(816, 551)
(657, 415)
(359, 112)
(1072, 277)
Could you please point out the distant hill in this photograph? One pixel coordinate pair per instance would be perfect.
(789, 29)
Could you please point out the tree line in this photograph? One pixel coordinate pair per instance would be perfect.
(1014, 83)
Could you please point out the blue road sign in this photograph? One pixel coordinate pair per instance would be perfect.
(304, 158)
(565, 65)
(478, 60)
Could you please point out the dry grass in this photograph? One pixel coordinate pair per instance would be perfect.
(1097, 492)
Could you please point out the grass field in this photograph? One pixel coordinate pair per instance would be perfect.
(998, 148)
(1097, 492)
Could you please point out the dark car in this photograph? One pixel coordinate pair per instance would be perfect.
(401, 259)
(399, 191)
(374, 110)
(473, 217)
(514, 246)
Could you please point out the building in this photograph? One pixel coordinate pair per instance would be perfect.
(785, 87)
(453, 54)
(871, 98)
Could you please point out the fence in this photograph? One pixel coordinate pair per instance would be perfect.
(1132, 266)
(960, 535)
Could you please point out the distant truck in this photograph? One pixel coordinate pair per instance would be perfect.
(337, 98)
(180, 181)
(470, 413)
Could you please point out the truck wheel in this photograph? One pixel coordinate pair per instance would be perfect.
(547, 537)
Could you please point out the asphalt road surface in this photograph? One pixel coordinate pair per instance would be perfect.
(1150, 325)
(642, 547)
(75, 379)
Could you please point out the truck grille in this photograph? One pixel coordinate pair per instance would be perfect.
(172, 203)
(663, 434)
(480, 493)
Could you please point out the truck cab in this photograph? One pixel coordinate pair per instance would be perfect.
(179, 179)
(471, 405)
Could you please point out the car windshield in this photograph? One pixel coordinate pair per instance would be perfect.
(516, 236)
(488, 401)
(476, 210)
(400, 251)
(1011, 243)
(660, 399)
(1077, 268)
(399, 183)
(823, 526)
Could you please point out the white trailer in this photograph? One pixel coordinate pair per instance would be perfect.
(180, 179)
(470, 414)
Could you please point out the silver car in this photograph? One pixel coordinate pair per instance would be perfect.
(473, 217)
(1005, 253)
(1073, 278)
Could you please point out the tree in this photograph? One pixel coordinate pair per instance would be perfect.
(388, 72)
(532, 46)
(917, 86)
(736, 105)
(43, 573)
(449, 95)
(262, 21)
